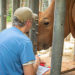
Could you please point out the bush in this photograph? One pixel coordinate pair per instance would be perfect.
(9, 15)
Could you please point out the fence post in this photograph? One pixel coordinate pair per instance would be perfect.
(58, 37)
(3, 15)
(34, 5)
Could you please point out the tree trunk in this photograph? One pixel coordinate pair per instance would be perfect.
(3, 14)
(16, 4)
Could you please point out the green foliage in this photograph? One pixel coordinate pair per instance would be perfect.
(9, 15)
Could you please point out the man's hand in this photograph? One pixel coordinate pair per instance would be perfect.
(37, 63)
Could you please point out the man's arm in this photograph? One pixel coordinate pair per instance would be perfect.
(31, 69)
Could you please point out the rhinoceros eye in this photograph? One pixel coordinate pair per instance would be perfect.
(46, 23)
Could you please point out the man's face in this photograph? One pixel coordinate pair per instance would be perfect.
(29, 25)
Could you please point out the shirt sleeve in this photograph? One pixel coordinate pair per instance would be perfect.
(30, 62)
(27, 53)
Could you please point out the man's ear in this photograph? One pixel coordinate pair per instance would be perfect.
(27, 23)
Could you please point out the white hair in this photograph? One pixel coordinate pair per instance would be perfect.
(17, 22)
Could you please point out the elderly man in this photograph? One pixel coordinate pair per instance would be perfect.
(16, 51)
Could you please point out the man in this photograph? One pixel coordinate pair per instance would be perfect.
(16, 51)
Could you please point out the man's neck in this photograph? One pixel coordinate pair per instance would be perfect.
(22, 29)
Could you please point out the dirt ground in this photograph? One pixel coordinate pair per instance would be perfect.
(69, 73)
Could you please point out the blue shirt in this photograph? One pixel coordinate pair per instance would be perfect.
(15, 50)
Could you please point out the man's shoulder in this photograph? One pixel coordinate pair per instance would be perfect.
(15, 35)
(25, 37)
